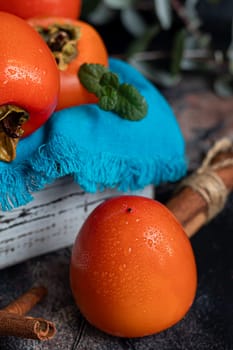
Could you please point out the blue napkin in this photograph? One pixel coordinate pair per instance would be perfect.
(98, 148)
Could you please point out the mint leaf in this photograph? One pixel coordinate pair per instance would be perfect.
(90, 76)
(110, 79)
(109, 99)
(131, 104)
(123, 99)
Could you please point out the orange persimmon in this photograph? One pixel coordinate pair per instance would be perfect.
(133, 270)
(73, 42)
(33, 8)
(29, 83)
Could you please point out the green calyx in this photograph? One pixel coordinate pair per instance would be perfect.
(123, 99)
(62, 41)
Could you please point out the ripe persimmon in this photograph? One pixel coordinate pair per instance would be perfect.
(29, 83)
(73, 43)
(133, 270)
(34, 8)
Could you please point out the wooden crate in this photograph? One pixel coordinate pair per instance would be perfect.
(50, 222)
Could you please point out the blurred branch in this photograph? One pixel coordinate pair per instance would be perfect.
(198, 56)
(190, 23)
(169, 37)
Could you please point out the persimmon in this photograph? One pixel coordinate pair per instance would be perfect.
(34, 8)
(133, 270)
(29, 83)
(73, 43)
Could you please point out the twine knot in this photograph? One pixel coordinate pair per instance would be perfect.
(206, 181)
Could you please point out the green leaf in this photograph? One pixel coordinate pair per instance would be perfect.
(110, 79)
(124, 99)
(131, 105)
(90, 76)
(164, 12)
(177, 52)
(141, 44)
(223, 86)
(88, 6)
(101, 15)
(118, 4)
(133, 21)
(109, 99)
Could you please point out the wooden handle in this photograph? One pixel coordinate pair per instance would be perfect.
(190, 207)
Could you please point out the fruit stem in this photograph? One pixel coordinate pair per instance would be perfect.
(62, 41)
(11, 120)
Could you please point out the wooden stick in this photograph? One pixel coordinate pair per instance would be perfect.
(190, 208)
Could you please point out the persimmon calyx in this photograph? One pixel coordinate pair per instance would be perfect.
(11, 120)
(62, 41)
(123, 99)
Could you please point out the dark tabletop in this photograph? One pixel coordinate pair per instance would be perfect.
(203, 118)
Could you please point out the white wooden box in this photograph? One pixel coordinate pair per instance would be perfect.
(50, 222)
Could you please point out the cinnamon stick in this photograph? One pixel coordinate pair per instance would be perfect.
(189, 207)
(26, 301)
(25, 327)
(14, 323)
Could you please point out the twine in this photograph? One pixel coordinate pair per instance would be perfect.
(207, 183)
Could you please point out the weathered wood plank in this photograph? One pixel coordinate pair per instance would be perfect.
(50, 222)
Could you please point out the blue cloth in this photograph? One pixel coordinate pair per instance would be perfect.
(98, 148)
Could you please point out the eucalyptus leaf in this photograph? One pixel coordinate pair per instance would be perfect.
(102, 14)
(88, 6)
(223, 86)
(141, 44)
(164, 13)
(192, 13)
(133, 21)
(177, 52)
(118, 4)
(190, 6)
